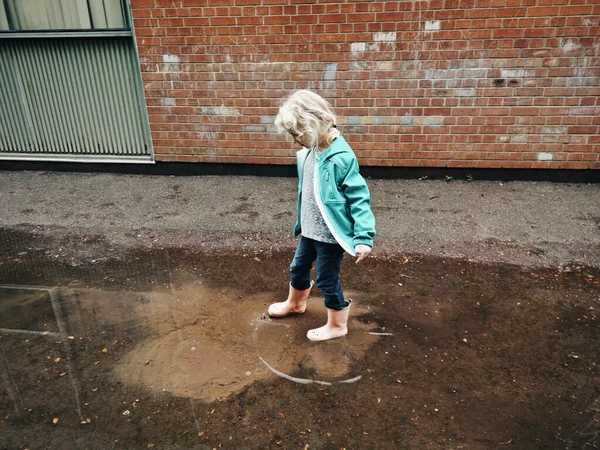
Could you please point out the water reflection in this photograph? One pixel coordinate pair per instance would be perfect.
(191, 341)
(19, 307)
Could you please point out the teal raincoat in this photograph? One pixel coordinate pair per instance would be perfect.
(342, 195)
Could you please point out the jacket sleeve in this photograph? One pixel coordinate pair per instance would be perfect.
(359, 202)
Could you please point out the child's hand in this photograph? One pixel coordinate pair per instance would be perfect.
(362, 251)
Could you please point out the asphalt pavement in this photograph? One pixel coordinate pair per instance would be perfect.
(525, 223)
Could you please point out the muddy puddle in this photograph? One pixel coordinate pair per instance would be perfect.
(172, 348)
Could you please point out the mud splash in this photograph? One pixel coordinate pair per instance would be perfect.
(209, 343)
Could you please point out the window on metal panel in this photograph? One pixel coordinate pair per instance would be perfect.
(63, 15)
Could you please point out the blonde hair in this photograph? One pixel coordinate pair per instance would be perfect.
(305, 113)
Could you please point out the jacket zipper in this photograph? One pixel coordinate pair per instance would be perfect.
(328, 184)
(318, 198)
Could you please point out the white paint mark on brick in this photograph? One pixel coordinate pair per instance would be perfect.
(167, 101)
(255, 129)
(358, 47)
(384, 37)
(542, 156)
(384, 65)
(541, 53)
(226, 111)
(439, 74)
(515, 73)
(553, 130)
(435, 120)
(406, 119)
(330, 72)
(205, 134)
(219, 110)
(584, 111)
(464, 92)
(432, 25)
(569, 44)
(361, 65)
(170, 58)
(382, 120)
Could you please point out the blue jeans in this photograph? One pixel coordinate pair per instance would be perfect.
(329, 259)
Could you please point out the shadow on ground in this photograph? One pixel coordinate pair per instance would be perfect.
(168, 348)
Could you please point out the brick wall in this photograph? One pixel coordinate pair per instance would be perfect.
(445, 83)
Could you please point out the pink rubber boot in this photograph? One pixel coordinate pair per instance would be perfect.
(295, 303)
(337, 325)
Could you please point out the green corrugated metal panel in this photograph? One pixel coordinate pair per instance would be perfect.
(21, 15)
(72, 97)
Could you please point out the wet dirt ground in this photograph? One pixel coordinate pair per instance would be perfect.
(171, 348)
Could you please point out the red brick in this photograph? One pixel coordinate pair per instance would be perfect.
(543, 11)
(138, 4)
(582, 10)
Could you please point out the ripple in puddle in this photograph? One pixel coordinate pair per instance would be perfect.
(209, 343)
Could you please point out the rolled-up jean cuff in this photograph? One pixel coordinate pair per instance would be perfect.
(300, 285)
(335, 303)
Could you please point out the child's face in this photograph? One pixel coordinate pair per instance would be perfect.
(299, 139)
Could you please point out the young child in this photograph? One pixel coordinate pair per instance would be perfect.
(333, 210)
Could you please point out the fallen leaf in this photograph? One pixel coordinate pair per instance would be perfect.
(378, 400)
(56, 360)
(55, 420)
(149, 445)
(104, 350)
